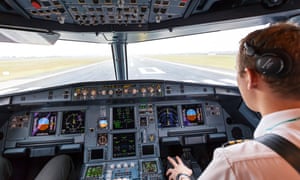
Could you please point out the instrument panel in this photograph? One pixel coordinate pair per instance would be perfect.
(120, 136)
(115, 137)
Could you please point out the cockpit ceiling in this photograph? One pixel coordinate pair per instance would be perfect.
(139, 20)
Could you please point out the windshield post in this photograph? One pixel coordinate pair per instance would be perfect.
(119, 52)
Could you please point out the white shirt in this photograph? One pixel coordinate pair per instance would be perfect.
(252, 160)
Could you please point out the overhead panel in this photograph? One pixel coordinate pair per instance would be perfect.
(138, 20)
(99, 12)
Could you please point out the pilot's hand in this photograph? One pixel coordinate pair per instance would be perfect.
(178, 167)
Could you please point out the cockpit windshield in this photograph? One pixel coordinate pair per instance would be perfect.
(204, 58)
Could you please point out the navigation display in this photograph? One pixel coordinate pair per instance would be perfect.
(167, 116)
(192, 115)
(44, 123)
(124, 145)
(123, 117)
(73, 122)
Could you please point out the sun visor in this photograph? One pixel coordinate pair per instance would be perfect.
(27, 37)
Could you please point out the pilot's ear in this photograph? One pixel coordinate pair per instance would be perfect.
(251, 78)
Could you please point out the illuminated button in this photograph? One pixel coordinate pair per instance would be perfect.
(126, 91)
(134, 91)
(85, 92)
(77, 92)
(93, 92)
(103, 92)
(151, 89)
(143, 90)
(110, 92)
(125, 165)
(112, 166)
(132, 164)
(36, 4)
(119, 165)
(158, 89)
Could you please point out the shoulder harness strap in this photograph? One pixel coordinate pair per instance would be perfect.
(283, 147)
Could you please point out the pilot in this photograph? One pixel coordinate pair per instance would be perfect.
(268, 71)
(59, 167)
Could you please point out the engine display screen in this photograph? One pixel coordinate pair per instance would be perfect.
(123, 117)
(124, 145)
(44, 123)
(149, 166)
(73, 122)
(192, 115)
(167, 116)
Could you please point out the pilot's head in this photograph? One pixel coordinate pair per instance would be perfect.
(271, 54)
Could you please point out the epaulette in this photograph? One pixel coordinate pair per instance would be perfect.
(232, 142)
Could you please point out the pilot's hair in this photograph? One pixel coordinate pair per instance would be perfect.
(283, 37)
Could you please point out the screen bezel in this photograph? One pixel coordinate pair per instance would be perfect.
(94, 150)
(32, 121)
(124, 157)
(201, 114)
(148, 155)
(112, 119)
(148, 172)
(92, 166)
(62, 121)
(175, 106)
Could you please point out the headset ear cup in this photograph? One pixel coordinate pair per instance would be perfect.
(274, 62)
(269, 64)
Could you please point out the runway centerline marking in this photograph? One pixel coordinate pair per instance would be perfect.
(150, 70)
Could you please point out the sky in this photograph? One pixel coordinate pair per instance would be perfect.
(209, 42)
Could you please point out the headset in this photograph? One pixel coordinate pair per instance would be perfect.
(270, 62)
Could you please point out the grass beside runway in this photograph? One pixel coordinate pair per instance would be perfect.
(12, 69)
(27, 67)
